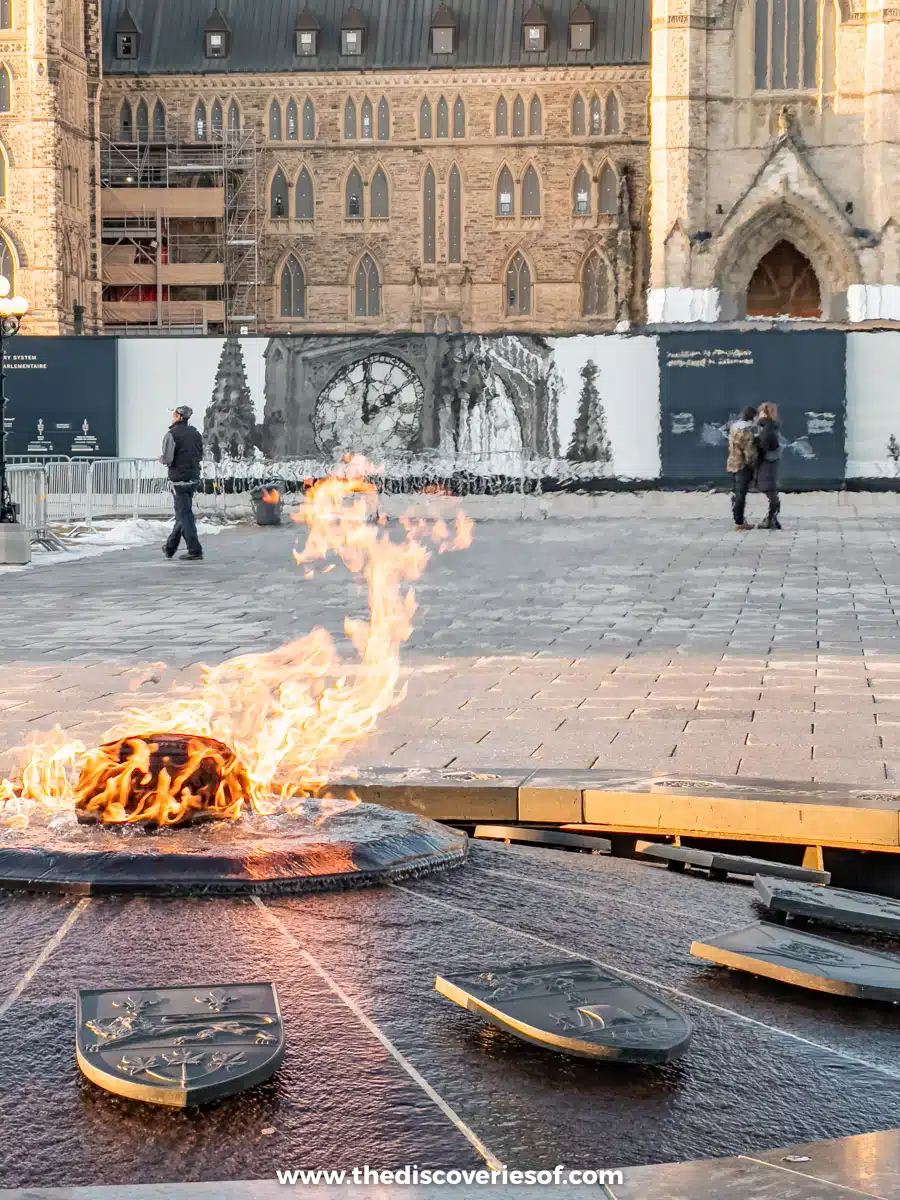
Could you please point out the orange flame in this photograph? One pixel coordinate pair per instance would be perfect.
(288, 715)
(270, 495)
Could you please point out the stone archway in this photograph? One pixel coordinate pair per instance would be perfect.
(809, 234)
(784, 284)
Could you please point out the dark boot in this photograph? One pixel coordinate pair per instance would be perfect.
(776, 524)
(766, 524)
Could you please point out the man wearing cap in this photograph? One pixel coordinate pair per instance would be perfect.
(182, 453)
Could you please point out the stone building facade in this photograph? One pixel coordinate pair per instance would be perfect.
(476, 185)
(775, 160)
(49, 79)
(411, 166)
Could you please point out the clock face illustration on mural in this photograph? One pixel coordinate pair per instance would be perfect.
(372, 406)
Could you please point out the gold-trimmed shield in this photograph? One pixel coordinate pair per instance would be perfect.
(179, 1046)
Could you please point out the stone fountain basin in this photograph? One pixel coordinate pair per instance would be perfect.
(323, 845)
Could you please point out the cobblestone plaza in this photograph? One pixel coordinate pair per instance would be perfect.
(649, 637)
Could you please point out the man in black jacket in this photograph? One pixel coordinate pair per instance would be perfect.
(182, 452)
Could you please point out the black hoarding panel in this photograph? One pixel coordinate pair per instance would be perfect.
(707, 378)
(61, 396)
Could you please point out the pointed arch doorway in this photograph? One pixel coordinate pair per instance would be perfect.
(784, 284)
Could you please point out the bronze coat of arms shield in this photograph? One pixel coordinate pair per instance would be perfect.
(179, 1046)
(575, 1007)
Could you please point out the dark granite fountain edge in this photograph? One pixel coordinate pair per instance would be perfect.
(360, 847)
(866, 1164)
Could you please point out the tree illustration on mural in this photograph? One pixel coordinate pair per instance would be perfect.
(590, 442)
(229, 426)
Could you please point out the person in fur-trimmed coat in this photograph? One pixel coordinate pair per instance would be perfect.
(768, 443)
(742, 460)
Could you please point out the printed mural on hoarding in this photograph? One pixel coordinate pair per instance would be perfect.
(572, 408)
(60, 397)
(706, 379)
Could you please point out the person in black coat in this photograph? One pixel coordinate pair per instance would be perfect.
(182, 453)
(768, 444)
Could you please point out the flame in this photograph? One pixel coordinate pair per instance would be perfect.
(270, 495)
(286, 717)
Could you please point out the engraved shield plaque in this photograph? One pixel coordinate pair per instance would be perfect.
(806, 960)
(574, 1007)
(179, 1046)
(831, 906)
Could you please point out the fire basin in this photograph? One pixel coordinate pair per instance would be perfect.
(322, 845)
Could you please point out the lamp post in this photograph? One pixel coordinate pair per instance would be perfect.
(12, 310)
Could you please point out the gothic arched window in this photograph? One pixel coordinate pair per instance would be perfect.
(454, 223)
(595, 290)
(581, 193)
(5, 14)
(579, 127)
(279, 195)
(612, 113)
(501, 118)
(506, 203)
(234, 117)
(534, 117)
(531, 194)
(425, 119)
(443, 118)
(293, 289)
(384, 120)
(126, 122)
(429, 204)
(367, 132)
(303, 197)
(459, 118)
(5, 91)
(518, 287)
(292, 122)
(216, 119)
(609, 190)
(519, 117)
(596, 116)
(378, 195)
(354, 196)
(275, 121)
(309, 121)
(201, 130)
(159, 122)
(349, 121)
(142, 122)
(786, 45)
(367, 288)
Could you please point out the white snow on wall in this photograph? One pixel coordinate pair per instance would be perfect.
(159, 374)
(873, 403)
(628, 385)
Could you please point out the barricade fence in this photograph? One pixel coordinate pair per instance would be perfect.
(71, 494)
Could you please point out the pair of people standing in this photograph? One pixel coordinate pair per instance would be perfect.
(754, 449)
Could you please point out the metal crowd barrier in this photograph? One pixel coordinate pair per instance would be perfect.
(71, 494)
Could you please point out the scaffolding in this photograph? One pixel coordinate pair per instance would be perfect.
(242, 232)
(143, 248)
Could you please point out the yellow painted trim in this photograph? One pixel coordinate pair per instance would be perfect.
(752, 820)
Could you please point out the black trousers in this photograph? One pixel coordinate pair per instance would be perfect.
(185, 525)
(740, 486)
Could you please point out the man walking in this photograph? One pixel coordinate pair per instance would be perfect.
(742, 456)
(182, 452)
